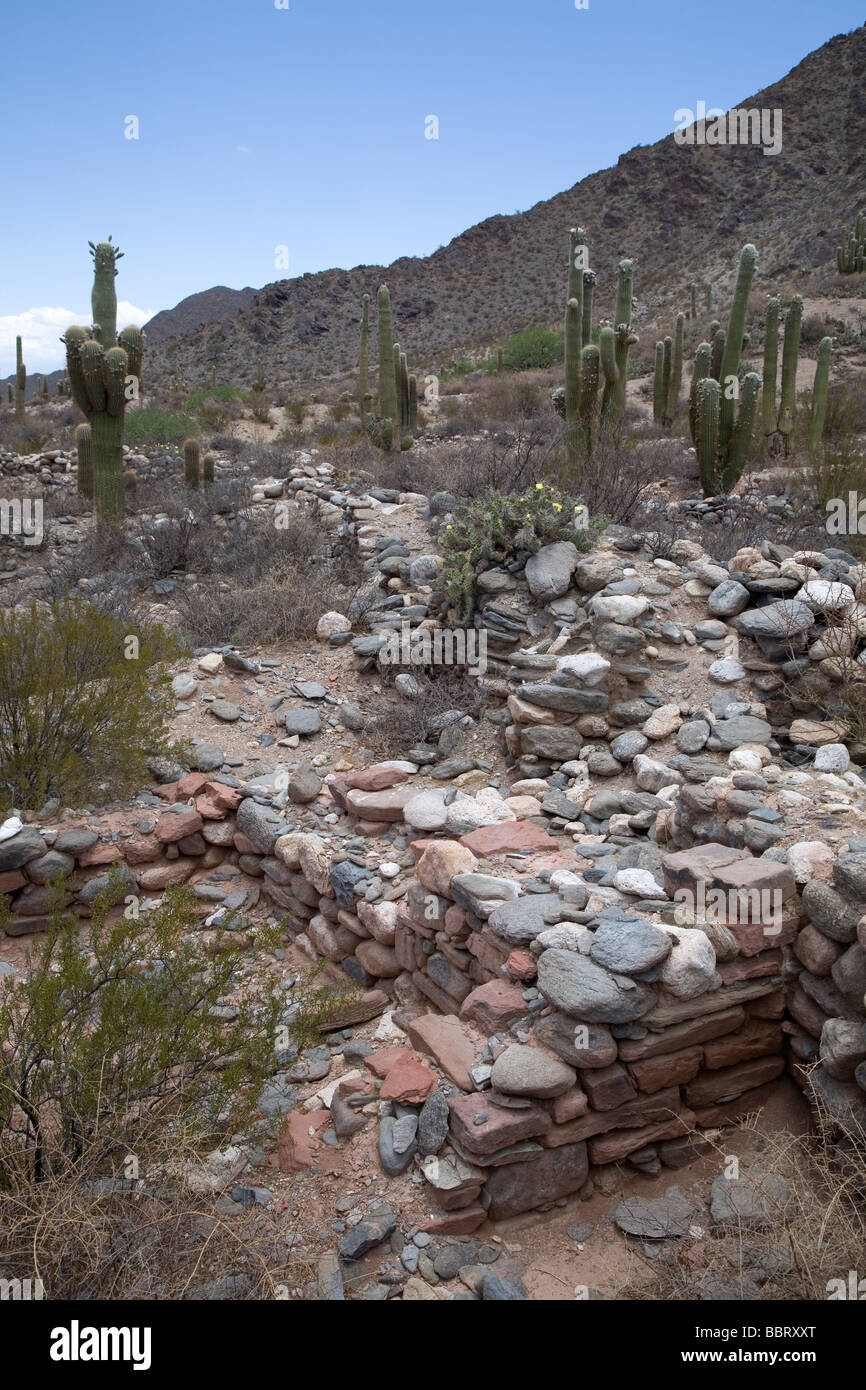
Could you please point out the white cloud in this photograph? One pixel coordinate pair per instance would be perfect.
(41, 329)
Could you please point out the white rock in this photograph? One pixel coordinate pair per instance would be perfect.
(832, 757)
(589, 667)
(210, 663)
(330, 624)
(726, 671)
(811, 859)
(620, 608)
(690, 969)
(826, 596)
(566, 936)
(184, 685)
(663, 722)
(426, 811)
(638, 883)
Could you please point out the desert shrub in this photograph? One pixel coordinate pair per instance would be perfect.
(151, 426)
(213, 393)
(394, 723)
(84, 700)
(534, 347)
(614, 480)
(115, 1035)
(497, 528)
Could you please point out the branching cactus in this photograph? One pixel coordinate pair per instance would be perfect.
(720, 465)
(610, 372)
(84, 449)
(103, 376)
(191, 462)
(20, 380)
(819, 391)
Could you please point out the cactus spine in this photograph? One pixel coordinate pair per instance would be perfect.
(84, 449)
(99, 373)
(20, 380)
(191, 462)
(388, 405)
(819, 391)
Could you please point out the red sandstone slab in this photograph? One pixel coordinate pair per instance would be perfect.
(171, 827)
(610, 1148)
(456, 1223)
(498, 1129)
(380, 1063)
(757, 1039)
(296, 1142)
(367, 779)
(675, 1069)
(509, 836)
(101, 853)
(443, 1038)
(410, 1081)
(494, 1005)
(713, 1087)
(12, 881)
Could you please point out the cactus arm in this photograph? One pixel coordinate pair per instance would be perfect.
(387, 377)
(734, 342)
(700, 372)
(771, 366)
(742, 435)
(708, 434)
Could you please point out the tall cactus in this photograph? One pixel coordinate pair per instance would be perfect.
(721, 466)
(207, 469)
(413, 403)
(84, 449)
(624, 336)
(771, 366)
(733, 344)
(20, 380)
(576, 271)
(700, 372)
(659, 385)
(790, 357)
(191, 462)
(610, 371)
(589, 279)
(693, 292)
(572, 378)
(388, 405)
(819, 392)
(589, 378)
(100, 372)
(709, 301)
(363, 365)
(676, 375)
(851, 251)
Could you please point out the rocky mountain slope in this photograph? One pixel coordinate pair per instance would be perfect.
(680, 212)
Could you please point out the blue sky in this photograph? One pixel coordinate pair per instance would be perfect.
(305, 128)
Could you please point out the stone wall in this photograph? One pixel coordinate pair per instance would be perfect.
(566, 1033)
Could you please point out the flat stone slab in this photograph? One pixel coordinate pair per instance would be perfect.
(522, 920)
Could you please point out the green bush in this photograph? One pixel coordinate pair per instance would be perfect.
(157, 427)
(84, 700)
(110, 1042)
(495, 529)
(214, 393)
(534, 347)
